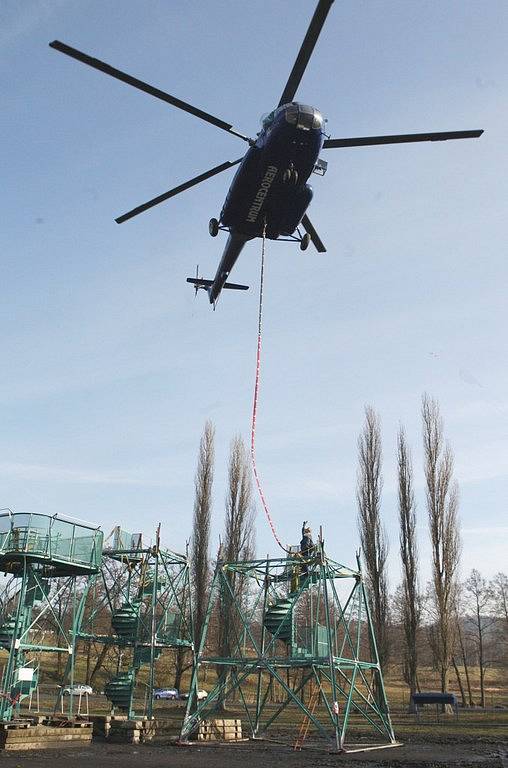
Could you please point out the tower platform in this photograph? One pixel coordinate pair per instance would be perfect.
(63, 547)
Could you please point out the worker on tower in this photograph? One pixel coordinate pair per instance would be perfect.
(306, 546)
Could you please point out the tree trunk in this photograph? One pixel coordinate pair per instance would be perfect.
(224, 678)
(180, 667)
(466, 668)
(482, 674)
(459, 681)
(468, 681)
(481, 659)
(88, 660)
(59, 665)
(98, 663)
(444, 679)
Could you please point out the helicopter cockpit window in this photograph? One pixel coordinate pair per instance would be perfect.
(303, 117)
(267, 120)
(292, 113)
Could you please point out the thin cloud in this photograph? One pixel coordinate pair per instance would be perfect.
(486, 530)
(58, 474)
(19, 19)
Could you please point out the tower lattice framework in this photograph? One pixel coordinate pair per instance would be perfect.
(292, 633)
(49, 563)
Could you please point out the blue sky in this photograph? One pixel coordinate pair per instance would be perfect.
(111, 366)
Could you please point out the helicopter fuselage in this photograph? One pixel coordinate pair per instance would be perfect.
(270, 186)
(262, 188)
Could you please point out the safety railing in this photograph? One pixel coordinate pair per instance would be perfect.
(50, 537)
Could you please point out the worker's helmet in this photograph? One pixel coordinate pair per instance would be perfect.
(307, 530)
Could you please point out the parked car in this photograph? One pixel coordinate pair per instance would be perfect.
(201, 695)
(165, 693)
(76, 690)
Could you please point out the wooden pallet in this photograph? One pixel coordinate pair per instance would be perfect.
(103, 724)
(53, 721)
(15, 725)
(29, 737)
(131, 731)
(220, 730)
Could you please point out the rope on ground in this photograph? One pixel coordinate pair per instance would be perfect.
(256, 393)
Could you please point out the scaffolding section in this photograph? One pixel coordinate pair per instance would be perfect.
(49, 563)
(141, 604)
(293, 634)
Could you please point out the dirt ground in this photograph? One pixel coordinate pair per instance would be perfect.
(253, 754)
(476, 738)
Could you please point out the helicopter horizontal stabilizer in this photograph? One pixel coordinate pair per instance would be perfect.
(200, 282)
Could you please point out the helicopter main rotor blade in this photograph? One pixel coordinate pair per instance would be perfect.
(305, 52)
(367, 141)
(318, 244)
(142, 86)
(177, 190)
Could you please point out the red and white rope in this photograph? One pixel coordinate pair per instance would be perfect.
(255, 403)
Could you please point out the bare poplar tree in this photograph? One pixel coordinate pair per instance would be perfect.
(442, 508)
(500, 585)
(238, 544)
(480, 597)
(372, 535)
(411, 607)
(200, 560)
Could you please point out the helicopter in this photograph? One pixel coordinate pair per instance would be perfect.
(270, 193)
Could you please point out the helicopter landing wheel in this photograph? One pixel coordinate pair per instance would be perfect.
(290, 176)
(213, 227)
(304, 242)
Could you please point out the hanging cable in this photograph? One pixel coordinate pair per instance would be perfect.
(255, 403)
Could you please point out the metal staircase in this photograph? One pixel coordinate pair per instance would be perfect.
(119, 690)
(125, 620)
(7, 629)
(278, 620)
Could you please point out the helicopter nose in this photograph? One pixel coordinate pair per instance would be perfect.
(305, 118)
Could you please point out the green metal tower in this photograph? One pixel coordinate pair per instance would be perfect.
(300, 635)
(49, 563)
(142, 606)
